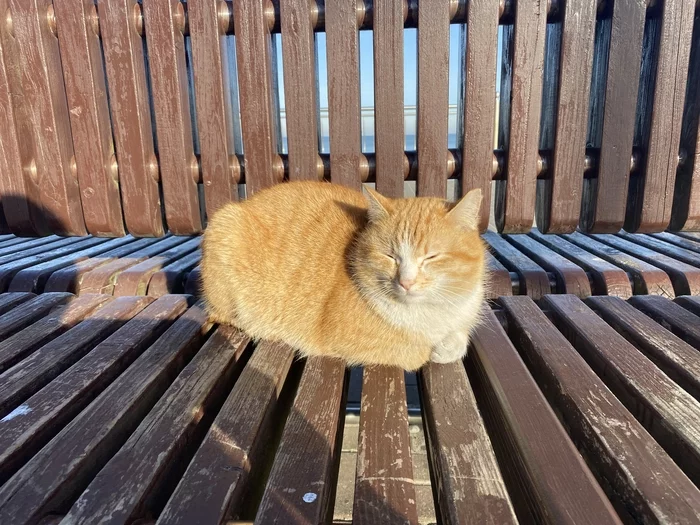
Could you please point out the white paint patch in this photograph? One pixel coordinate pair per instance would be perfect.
(310, 497)
(19, 411)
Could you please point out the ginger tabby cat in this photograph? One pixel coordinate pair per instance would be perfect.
(333, 272)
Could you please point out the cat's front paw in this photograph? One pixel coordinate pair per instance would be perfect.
(451, 349)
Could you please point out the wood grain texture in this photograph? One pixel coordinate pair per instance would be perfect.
(498, 276)
(688, 244)
(690, 303)
(433, 103)
(534, 281)
(470, 486)
(37, 247)
(679, 320)
(83, 71)
(214, 486)
(342, 51)
(179, 169)
(9, 300)
(171, 278)
(131, 118)
(25, 314)
(691, 257)
(548, 481)
(213, 102)
(300, 491)
(384, 490)
(480, 101)
(631, 467)
(388, 97)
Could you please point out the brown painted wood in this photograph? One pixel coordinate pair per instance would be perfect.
(171, 279)
(604, 198)
(677, 240)
(64, 467)
(134, 280)
(28, 244)
(433, 103)
(298, 490)
(46, 412)
(570, 277)
(515, 198)
(131, 117)
(690, 303)
(30, 375)
(559, 199)
(667, 411)
(213, 102)
(143, 466)
(299, 88)
(679, 360)
(179, 169)
(18, 346)
(384, 490)
(342, 54)
(214, 486)
(470, 486)
(388, 97)
(193, 283)
(499, 282)
(646, 278)
(55, 243)
(255, 92)
(651, 194)
(43, 122)
(84, 75)
(679, 320)
(10, 300)
(633, 469)
(480, 101)
(661, 246)
(534, 281)
(547, 479)
(25, 314)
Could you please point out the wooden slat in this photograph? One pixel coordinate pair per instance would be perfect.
(193, 284)
(56, 476)
(388, 97)
(83, 71)
(676, 252)
(679, 360)
(213, 103)
(646, 279)
(534, 281)
(9, 300)
(171, 278)
(690, 303)
(631, 466)
(215, 483)
(134, 280)
(11, 240)
(679, 320)
(18, 346)
(469, 482)
(515, 198)
(570, 277)
(30, 375)
(499, 282)
(179, 170)
(298, 490)
(299, 88)
(685, 278)
(559, 202)
(56, 245)
(342, 53)
(547, 479)
(605, 198)
(433, 103)
(46, 412)
(480, 101)
(131, 117)
(651, 194)
(22, 316)
(671, 238)
(384, 490)
(44, 119)
(135, 476)
(27, 244)
(255, 92)
(667, 411)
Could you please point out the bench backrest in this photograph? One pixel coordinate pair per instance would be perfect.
(119, 117)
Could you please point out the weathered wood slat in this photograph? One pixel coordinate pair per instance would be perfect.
(24, 315)
(46, 412)
(679, 320)
(499, 282)
(56, 476)
(667, 411)
(468, 478)
(690, 303)
(53, 246)
(83, 71)
(9, 300)
(136, 476)
(298, 490)
(632, 468)
(661, 246)
(384, 490)
(193, 283)
(544, 472)
(534, 281)
(682, 242)
(171, 278)
(214, 486)
(21, 245)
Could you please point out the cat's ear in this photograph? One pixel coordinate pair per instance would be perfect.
(466, 212)
(378, 204)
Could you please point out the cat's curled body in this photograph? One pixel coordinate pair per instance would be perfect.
(333, 272)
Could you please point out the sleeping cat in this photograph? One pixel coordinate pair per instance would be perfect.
(333, 272)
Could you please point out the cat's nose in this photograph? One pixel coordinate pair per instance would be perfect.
(406, 283)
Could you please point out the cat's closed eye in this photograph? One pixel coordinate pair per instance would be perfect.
(392, 258)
